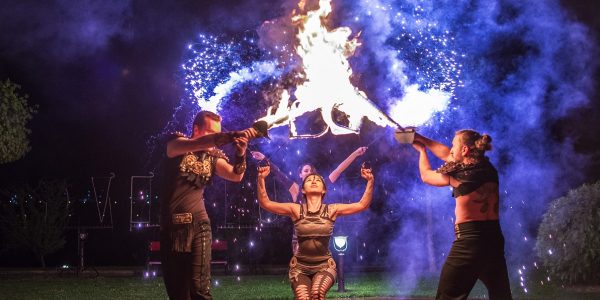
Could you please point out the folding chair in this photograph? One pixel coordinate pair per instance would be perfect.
(219, 254)
(153, 262)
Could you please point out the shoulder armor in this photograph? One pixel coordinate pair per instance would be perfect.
(218, 153)
(178, 134)
(173, 135)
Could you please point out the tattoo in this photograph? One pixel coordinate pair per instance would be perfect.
(483, 197)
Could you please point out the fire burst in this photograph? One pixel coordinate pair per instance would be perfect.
(326, 79)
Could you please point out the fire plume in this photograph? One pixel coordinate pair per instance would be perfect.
(325, 79)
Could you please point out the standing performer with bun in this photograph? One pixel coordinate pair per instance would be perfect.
(478, 250)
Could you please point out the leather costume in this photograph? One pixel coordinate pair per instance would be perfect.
(186, 236)
(314, 231)
(472, 176)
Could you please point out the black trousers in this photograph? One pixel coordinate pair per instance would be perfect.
(187, 274)
(477, 253)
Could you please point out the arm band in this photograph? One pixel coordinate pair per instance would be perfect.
(239, 165)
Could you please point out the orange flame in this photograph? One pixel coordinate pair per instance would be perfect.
(326, 76)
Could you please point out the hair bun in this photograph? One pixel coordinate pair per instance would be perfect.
(484, 143)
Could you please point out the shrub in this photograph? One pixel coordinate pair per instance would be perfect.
(15, 113)
(568, 241)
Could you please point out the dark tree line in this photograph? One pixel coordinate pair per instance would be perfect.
(34, 218)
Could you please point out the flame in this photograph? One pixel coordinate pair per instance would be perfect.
(325, 78)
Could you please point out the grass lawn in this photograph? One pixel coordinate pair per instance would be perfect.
(246, 287)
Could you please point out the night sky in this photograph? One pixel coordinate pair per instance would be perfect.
(107, 78)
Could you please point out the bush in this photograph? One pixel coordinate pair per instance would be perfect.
(15, 113)
(568, 241)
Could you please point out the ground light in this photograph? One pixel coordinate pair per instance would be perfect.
(340, 244)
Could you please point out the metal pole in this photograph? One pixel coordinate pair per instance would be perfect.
(341, 287)
(80, 264)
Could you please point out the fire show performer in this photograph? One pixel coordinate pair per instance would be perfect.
(478, 250)
(186, 236)
(312, 269)
(303, 171)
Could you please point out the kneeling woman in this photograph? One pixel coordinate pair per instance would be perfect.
(312, 269)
